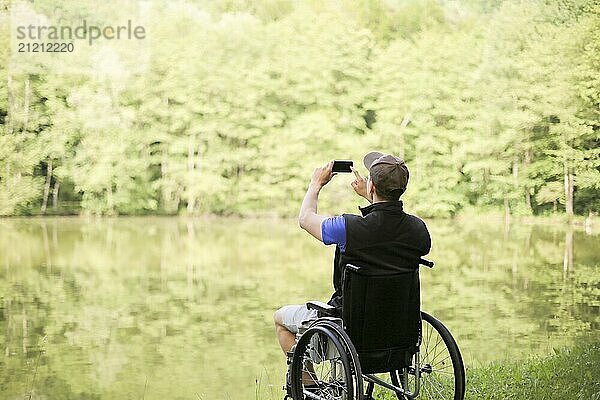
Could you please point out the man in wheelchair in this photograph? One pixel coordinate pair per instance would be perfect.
(384, 237)
(373, 323)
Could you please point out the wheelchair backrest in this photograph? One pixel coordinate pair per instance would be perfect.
(382, 315)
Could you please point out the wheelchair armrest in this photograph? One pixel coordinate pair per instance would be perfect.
(322, 308)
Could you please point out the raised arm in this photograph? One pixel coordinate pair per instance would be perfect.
(308, 219)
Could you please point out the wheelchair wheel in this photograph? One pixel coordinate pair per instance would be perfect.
(357, 378)
(442, 372)
(323, 367)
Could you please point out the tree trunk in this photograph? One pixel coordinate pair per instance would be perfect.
(47, 186)
(568, 191)
(506, 211)
(177, 200)
(55, 195)
(527, 161)
(571, 191)
(199, 158)
(167, 195)
(515, 174)
(109, 198)
(191, 197)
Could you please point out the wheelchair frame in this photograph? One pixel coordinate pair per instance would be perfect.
(310, 339)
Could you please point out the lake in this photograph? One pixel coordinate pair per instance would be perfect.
(176, 308)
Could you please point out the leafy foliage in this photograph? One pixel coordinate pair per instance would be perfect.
(231, 105)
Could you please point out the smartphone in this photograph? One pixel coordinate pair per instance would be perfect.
(342, 165)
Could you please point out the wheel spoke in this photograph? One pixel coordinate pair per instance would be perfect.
(441, 361)
(322, 369)
(444, 385)
(440, 375)
(436, 386)
(439, 339)
(428, 338)
(439, 371)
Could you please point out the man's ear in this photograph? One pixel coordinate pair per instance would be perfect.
(370, 187)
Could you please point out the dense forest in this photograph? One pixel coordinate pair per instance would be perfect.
(227, 106)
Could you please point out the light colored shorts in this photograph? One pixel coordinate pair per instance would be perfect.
(294, 315)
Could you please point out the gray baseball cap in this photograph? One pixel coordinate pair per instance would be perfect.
(388, 173)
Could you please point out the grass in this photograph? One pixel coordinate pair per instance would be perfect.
(567, 374)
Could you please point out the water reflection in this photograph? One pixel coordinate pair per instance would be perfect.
(178, 308)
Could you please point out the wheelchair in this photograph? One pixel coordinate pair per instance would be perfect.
(381, 339)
